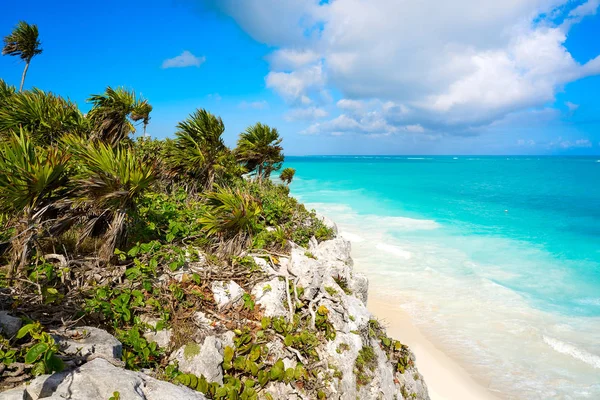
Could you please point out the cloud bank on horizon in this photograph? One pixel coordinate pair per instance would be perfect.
(430, 67)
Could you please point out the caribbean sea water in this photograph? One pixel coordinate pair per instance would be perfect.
(496, 258)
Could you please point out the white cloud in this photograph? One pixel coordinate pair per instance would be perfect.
(286, 59)
(306, 114)
(571, 106)
(446, 66)
(297, 85)
(185, 59)
(254, 105)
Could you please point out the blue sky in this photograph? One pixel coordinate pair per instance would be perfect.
(338, 77)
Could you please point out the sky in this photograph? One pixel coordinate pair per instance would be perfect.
(337, 76)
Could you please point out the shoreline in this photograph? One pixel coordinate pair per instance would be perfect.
(446, 379)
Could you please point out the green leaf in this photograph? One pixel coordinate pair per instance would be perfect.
(35, 352)
(38, 369)
(55, 364)
(289, 374)
(228, 354)
(24, 330)
(254, 353)
(277, 371)
(289, 340)
(265, 322)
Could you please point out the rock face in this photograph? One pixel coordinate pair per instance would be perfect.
(227, 293)
(9, 325)
(356, 360)
(205, 359)
(87, 341)
(99, 379)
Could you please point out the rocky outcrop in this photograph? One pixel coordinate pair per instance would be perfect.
(353, 357)
(99, 379)
(88, 342)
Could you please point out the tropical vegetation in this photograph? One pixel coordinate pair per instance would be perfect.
(94, 221)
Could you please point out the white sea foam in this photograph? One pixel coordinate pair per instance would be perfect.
(573, 351)
(407, 255)
(352, 237)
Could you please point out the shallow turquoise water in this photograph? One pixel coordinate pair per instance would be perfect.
(518, 236)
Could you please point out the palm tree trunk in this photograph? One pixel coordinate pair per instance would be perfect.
(23, 77)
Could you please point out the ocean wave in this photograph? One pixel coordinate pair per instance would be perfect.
(573, 351)
(395, 250)
(352, 237)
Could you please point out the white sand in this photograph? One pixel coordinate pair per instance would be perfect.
(445, 379)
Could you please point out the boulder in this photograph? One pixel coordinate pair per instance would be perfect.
(308, 271)
(162, 337)
(86, 341)
(99, 379)
(329, 223)
(9, 325)
(15, 394)
(335, 249)
(271, 295)
(226, 293)
(205, 359)
(359, 284)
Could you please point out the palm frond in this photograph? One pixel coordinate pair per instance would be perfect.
(22, 42)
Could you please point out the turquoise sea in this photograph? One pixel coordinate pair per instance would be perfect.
(496, 258)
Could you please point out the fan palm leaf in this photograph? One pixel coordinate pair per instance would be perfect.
(32, 180)
(45, 116)
(113, 112)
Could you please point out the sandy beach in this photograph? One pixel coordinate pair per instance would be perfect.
(445, 378)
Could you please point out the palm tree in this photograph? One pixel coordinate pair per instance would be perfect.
(142, 112)
(199, 148)
(113, 112)
(23, 42)
(287, 175)
(259, 149)
(32, 182)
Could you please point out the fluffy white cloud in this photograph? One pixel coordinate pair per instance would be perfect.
(289, 59)
(446, 66)
(306, 114)
(254, 105)
(296, 86)
(185, 59)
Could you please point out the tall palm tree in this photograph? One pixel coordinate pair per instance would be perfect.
(287, 175)
(142, 112)
(259, 149)
(23, 42)
(199, 148)
(113, 112)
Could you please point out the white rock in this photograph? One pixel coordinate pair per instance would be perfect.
(9, 325)
(87, 340)
(329, 223)
(226, 293)
(308, 271)
(205, 359)
(271, 296)
(162, 337)
(98, 380)
(335, 249)
(14, 394)
(359, 284)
